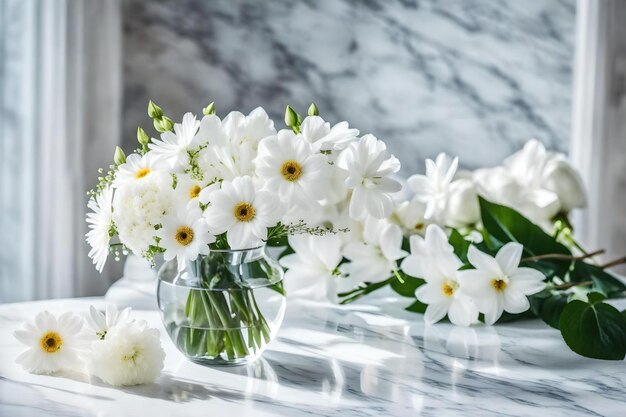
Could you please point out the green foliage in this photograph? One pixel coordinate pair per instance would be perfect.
(407, 286)
(548, 306)
(594, 329)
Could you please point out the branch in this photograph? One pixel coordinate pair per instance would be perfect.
(570, 285)
(563, 257)
(614, 262)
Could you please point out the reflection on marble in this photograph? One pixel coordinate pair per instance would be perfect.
(359, 360)
(473, 78)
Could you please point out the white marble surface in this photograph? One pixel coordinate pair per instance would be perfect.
(473, 78)
(354, 361)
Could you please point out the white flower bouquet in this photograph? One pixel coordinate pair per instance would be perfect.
(210, 186)
(493, 245)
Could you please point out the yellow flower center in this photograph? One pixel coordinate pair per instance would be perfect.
(419, 226)
(498, 284)
(142, 173)
(184, 235)
(195, 191)
(448, 288)
(51, 342)
(244, 212)
(291, 170)
(131, 357)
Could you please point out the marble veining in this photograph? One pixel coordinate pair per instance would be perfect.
(371, 359)
(473, 78)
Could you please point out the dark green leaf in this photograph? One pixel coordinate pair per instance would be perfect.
(548, 307)
(408, 287)
(594, 330)
(595, 297)
(459, 244)
(417, 307)
(603, 282)
(507, 225)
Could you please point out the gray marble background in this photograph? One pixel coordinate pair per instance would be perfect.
(472, 78)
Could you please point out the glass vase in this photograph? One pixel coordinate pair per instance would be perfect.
(224, 308)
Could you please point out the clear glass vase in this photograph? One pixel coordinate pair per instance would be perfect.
(225, 307)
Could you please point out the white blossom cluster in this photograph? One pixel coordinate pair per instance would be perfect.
(232, 180)
(111, 346)
(538, 183)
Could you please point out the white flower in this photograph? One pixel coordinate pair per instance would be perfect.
(130, 354)
(374, 259)
(433, 260)
(248, 129)
(319, 134)
(173, 146)
(561, 178)
(139, 207)
(462, 207)
(537, 183)
(54, 343)
(242, 211)
(499, 284)
(312, 269)
(290, 167)
(184, 236)
(232, 143)
(369, 169)
(100, 323)
(432, 188)
(188, 190)
(137, 169)
(100, 222)
(410, 216)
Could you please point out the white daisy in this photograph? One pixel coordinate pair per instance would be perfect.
(54, 343)
(188, 190)
(289, 166)
(173, 146)
(312, 269)
(499, 284)
(185, 235)
(433, 260)
(130, 354)
(100, 323)
(136, 169)
(319, 134)
(375, 258)
(433, 188)
(100, 223)
(369, 169)
(248, 129)
(242, 211)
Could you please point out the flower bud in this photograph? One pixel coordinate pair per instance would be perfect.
(291, 117)
(142, 137)
(462, 205)
(210, 109)
(313, 110)
(119, 157)
(163, 124)
(154, 111)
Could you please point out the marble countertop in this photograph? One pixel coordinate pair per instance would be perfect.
(360, 360)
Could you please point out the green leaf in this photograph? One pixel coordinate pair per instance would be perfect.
(507, 225)
(594, 330)
(417, 307)
(603, 282)
(595, 297)
(548, 307)
(459, 244)
(408, 287)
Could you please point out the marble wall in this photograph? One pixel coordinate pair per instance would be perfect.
(472, 78)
